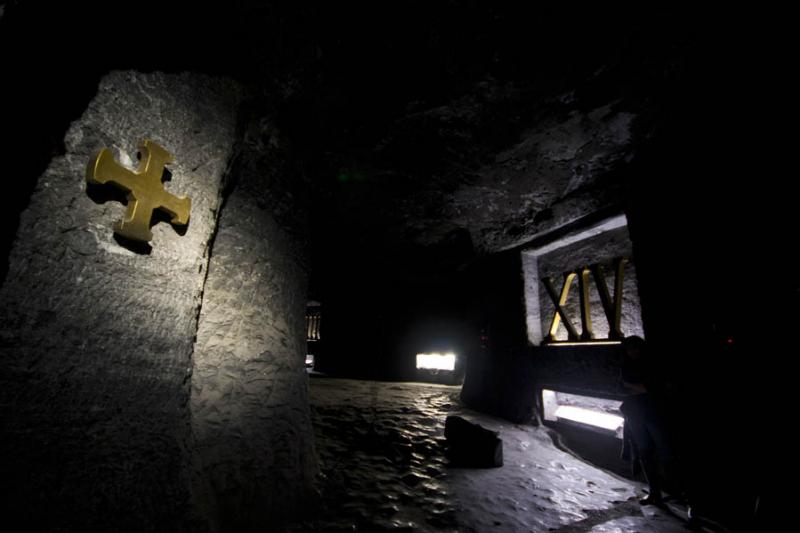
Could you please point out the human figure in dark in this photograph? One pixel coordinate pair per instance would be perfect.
(645, 417)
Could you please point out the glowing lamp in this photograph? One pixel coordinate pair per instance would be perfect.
(587, 416)
(436, 361)
(588, 411)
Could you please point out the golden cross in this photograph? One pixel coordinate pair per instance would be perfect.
(144, 189)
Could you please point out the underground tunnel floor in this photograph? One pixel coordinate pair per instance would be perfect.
(381, 451)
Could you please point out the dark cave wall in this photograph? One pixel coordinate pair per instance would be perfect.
(115, 418)
(498, 367)
(698, 222)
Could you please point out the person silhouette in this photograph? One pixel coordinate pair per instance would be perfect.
(645, 420)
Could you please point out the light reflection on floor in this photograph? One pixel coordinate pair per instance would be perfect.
(381, 449)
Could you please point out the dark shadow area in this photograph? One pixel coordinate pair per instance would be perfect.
(101, 194)
(159, 215)
(37, 110)
(599, 449)
(138, 247)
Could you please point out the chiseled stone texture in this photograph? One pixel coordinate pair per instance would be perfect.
(548, 178)
(602, 249)
(591, 369)
(96, 340)
(249, 387)
(506, 163)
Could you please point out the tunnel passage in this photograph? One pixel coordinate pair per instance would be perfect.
(391, 162)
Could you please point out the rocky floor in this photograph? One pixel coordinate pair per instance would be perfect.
(381, 449)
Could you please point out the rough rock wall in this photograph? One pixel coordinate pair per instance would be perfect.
(550, 177)
(498, 373)
(509, 166)
(96, 340)
(249, 388)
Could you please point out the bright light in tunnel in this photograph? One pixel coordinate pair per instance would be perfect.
(584, 343)
(436, 361)
(592, 418)
(588, 410)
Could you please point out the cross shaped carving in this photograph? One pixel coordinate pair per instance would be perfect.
(144, 188)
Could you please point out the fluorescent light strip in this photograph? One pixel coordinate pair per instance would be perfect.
(581, 343)
(436, 361)
(592, 418)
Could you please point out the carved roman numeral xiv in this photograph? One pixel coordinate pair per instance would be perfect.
(611, 307)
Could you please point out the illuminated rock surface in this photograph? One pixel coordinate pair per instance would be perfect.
(113, 417)
(381, 448)
(97, 339)
(249, 395)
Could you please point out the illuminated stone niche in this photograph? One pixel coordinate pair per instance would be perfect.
(588, 278)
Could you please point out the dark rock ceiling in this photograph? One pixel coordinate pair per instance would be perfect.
(442, 129)
(483, 124)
